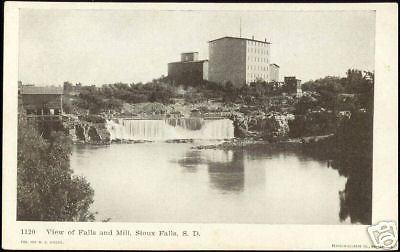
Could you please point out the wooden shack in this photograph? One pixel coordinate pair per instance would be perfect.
(41, 101)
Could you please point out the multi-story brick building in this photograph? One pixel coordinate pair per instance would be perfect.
(293, 85)
(239, 60)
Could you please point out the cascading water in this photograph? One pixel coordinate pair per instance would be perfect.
(168, 129)
(283, 122)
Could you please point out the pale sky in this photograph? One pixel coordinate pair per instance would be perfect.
(108, 46)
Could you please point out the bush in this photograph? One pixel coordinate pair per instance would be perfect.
(47, 190)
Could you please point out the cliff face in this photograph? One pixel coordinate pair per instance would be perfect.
(85, 130)
(261, 125)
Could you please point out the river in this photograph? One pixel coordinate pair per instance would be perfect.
(171, 182)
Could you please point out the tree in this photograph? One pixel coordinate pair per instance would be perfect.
(47, 190)
(67, 86)
(305, 103)
(67, 106)
(354, 148)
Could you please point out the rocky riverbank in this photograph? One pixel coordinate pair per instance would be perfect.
(93, 129)
(249, 143)
(250, 124)
(260, 125)
(87, 129)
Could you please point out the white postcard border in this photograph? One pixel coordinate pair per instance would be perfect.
(217, 236)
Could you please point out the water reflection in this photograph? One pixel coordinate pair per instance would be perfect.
(227, 176)
(177, 183)
(225, 168)
(190, 161)
(356, 198)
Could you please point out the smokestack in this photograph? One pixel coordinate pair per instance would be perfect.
(252, 37)
(265, 39)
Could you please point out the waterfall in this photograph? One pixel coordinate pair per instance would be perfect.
(72, 133)
(283, 122)
(168, 129)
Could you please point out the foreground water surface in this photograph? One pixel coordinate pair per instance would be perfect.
(170, 182)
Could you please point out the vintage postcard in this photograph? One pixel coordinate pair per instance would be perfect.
(200, 126)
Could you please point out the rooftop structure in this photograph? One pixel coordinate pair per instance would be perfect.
(189, 56)
(31, 89)
(252, 39)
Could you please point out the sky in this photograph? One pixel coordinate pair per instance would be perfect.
(108, 46)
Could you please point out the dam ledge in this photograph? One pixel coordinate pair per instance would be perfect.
(163, 117)
(168, 129)
(226, 137)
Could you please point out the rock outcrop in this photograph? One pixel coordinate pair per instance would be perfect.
(87, 130)
(261, 125)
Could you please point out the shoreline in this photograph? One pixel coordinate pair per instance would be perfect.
(234, 143)
(252, 143)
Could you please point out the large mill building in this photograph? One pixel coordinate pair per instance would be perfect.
(231, 59)
(239, 60)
